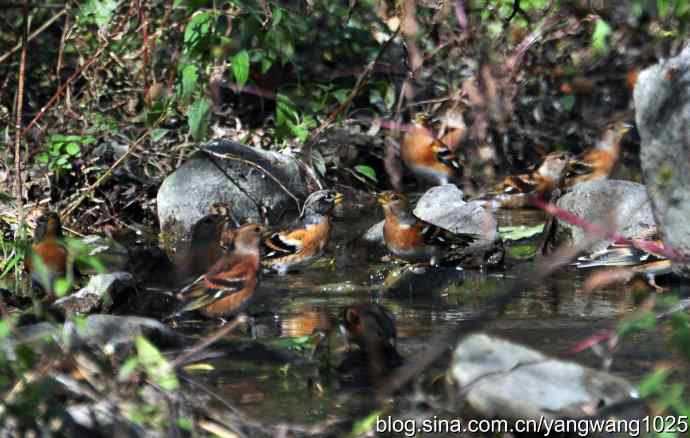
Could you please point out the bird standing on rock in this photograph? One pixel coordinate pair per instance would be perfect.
(597, 163)
(414, 240)
(228, 286)
(514, 191)
(47, 258)
(305, 241)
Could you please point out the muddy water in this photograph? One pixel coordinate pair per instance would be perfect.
(552, 317)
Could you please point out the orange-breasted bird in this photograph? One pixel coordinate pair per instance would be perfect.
(598, 162)
(372, 328)
(428, 157)
(414, 240)
(228, 286)
(514, 191)
(49, 250)
(306, 240)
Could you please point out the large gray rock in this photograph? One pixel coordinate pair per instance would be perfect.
(662, 104)
(623, 204)
(233, 176)
(443, 206)
(501, 379)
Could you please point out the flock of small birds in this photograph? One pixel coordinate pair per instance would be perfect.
(227, 288)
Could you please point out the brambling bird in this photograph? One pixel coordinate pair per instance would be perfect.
(307, 239)
(428, 157)
(514, 191)
(598, 162)
(371, 327)
(629, 261)
(47, 258)
(228, 286)
(414, 240)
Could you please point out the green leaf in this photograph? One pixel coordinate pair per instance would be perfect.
(365, 425)
(198, 31)
(190, 77)
(520, 232)
(62, 286)
(568, 102)
(652, 383)
(5, 329)
(637, 323)
(521, 252)
(240, 67)
(127, 368)
(198, 118)
(157, 367)
(158, 134)
(602, 30)
(366, 171)
(73, 149)
(98, 11)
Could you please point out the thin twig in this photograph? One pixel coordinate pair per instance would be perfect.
(112, 168)
(76, 74)
(258, 167)
(240, 319)
(33, 35)
(18, 121)
(361, 82)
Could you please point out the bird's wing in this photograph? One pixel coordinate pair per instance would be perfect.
(615, 255)
(434, 235)
(284, 243)
(214, 286)
(445, 155)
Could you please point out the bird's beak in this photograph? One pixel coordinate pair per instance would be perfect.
(339, 197)
(382, 198)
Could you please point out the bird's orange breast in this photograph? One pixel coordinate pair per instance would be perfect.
(401, 237)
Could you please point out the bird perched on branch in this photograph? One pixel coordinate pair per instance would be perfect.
(598, 162)
(306, 240)
(414, 240)
(228, 286)
(47, 258)
(428, 157)
(514, 191)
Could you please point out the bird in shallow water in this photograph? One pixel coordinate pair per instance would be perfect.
(428, 157)
(515, 190)
(229, 285)
(414, 240)
(371, 328)
(306, 240)
(627, 261)
(597, 163)
(47, 258)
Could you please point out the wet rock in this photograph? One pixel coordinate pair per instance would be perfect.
(98, 330)
(443, 206)
(99, 419)
(624, 204)
(662, 103)
(99, 293)
(107, 253)
(250, 183)
(501, 379)
(118, 331)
